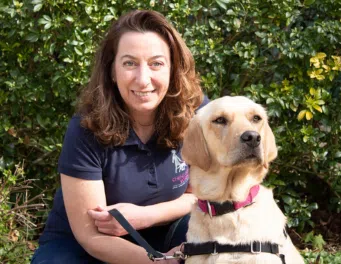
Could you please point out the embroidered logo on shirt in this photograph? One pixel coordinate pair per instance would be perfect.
(181, 171)
(179, 164)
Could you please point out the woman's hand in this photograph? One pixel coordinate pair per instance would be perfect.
(137, 216)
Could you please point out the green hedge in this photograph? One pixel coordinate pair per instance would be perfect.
(284, 54)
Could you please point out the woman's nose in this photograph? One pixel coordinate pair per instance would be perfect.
(143, 75)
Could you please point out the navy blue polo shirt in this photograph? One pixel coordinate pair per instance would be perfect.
(138, 173)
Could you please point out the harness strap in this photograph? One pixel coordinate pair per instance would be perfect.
(191, 249)
(152, 253)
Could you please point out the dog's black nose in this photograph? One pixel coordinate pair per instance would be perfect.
(251, 138)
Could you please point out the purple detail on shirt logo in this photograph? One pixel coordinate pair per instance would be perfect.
(180, 180)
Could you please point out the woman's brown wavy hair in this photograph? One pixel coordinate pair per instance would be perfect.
(101, 106)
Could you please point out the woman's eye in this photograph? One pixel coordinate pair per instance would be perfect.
(129, 63)
(257, 118)
(220, 120)
(156, 64)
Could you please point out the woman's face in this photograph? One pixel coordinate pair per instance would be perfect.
(142, 70)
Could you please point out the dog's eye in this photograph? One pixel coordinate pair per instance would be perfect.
(257, 118)
(220, 120)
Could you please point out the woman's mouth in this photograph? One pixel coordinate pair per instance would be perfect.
(142, 94)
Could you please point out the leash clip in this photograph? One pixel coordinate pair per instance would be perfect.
(176, 255)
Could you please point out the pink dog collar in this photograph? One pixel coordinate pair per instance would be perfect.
(213, 208)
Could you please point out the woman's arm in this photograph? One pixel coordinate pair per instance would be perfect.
(80, 195)
(169, 211)
(141, 217)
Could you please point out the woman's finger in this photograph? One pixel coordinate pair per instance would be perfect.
(113, 232)
(106, 224)
(102, 216)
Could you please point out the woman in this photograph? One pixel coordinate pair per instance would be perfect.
(122, 149)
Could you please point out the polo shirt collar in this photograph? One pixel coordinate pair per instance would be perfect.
(133, 139)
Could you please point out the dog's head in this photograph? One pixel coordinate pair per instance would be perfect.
(230, 132)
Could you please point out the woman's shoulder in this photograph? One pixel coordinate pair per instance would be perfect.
(75, 123)
(204, 102)
(76, 132)
(75, 126)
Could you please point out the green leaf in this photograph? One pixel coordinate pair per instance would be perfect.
(37, 7)
(269, 101)
(47, 18)
(78, 51)
(108, 18)
(211, 22)
(230, 12)
(32, 37)
(47, 25)
(221, 4)
(308, 2)
(69, 18)
(68, 60)
(260, 34)
(40, 120)
(287, 199)
(319, 242)
(309, 237)
(236, 23)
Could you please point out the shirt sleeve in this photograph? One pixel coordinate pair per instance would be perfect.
(81, 154)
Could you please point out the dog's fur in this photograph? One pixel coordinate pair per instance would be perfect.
(222, 169)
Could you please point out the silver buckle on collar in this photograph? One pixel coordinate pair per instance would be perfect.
(214, 249)
(209, 208)
(255, 251)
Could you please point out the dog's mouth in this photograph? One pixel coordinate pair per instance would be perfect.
(251, 156)
(251, 159)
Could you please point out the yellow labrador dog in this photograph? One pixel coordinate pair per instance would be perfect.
(228, 146)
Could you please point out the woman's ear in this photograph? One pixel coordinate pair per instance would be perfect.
(194, 151)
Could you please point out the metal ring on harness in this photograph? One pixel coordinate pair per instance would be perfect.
(214, 250)
(254, 251)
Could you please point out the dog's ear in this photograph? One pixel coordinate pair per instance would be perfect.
(194, 150)
(270, 148)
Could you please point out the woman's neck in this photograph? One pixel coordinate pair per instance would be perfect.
(144, 132)
(144, 126)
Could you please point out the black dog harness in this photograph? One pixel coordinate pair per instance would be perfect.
(214, 248)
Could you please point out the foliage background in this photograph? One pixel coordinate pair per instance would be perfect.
(284, 54)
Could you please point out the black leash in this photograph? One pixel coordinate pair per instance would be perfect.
(151, 252)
